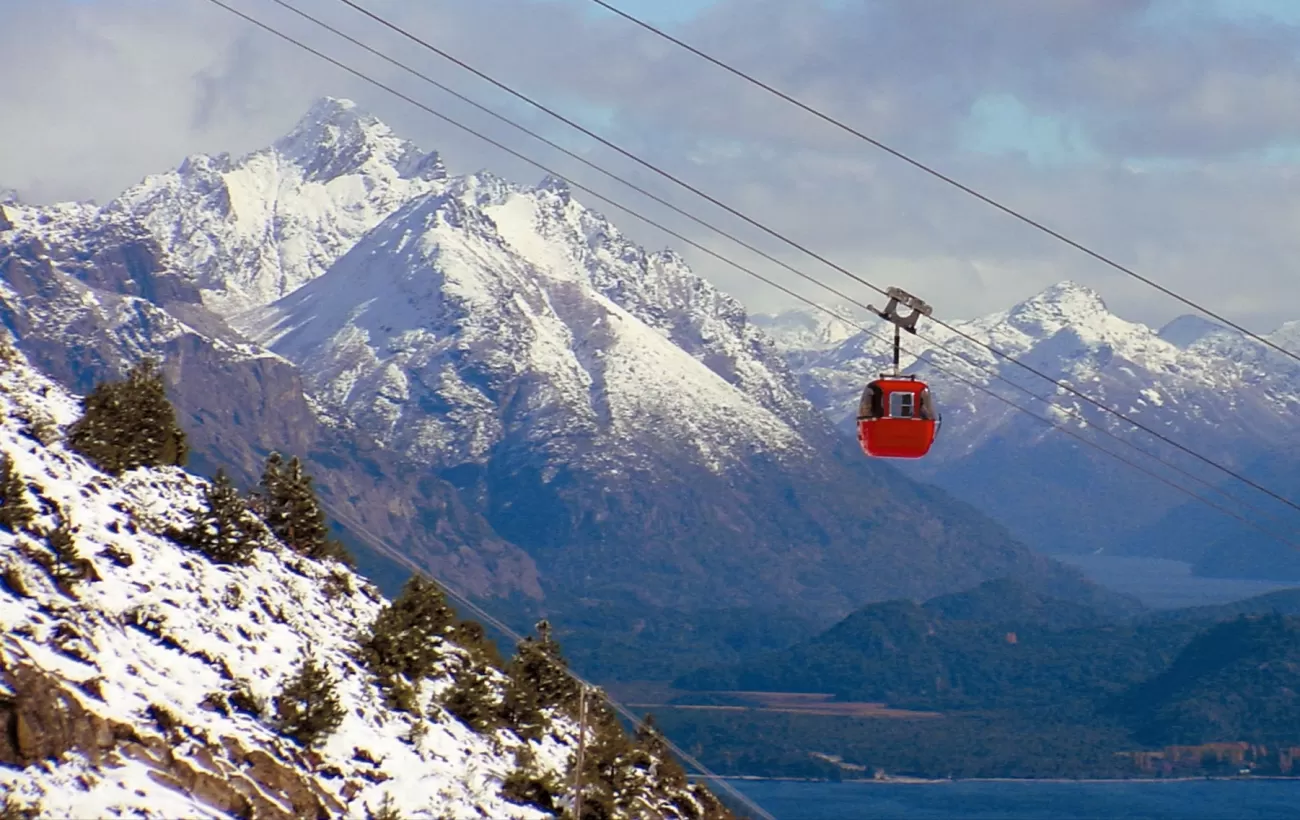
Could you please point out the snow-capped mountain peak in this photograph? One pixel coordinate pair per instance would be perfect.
(807, 328)
(335, 138)
(487, 282)
(1188, 329)
(256, 228)
(1195, 382)
(1287, 336)
(1065, 304)
(555, 185)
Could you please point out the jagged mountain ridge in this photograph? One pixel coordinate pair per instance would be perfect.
(252, 229)
(468, 281)
(1211, 388)
(611, 409)
(733, 488)
(115, 682)
(88, 291)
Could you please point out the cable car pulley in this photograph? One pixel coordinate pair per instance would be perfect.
(896, 415)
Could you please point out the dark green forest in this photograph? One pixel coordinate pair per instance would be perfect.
(1027, 686)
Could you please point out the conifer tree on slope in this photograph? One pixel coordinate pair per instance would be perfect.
(15, 511)
(224, 530)
(537, 678)
(128, 424)
(307, 708)
(405, 640)
(270, 501)
(292, 511)
(654, 755)
(609, 780)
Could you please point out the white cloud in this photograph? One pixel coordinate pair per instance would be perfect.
(101, 93)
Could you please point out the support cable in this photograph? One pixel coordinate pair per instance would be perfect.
(748, 246)
(1061, 384)
(761, 278)
(939, 175)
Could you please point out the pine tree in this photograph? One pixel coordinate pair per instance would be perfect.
(472, 698)
(537, 678)
(387, 810)
(657, 756)
(223, 531)
(270, 505)
(528, 785)
(608, 779)
(307, 708)
(158, 440)
(402, 641)
(308, 531)
(471, 635)
(66, 558)
(293, 512)
(15, 511)
(129, 424)
(8, 354)
(101, 432)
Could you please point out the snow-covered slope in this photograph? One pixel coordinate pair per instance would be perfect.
(253, 229)
(121, 684)
(1202, 385)
(807, 331)
(94, 279)
(616, 415)
(89, 292)
(490, 281)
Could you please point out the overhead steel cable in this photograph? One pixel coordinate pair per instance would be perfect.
(938, 174)
(748, 246)
(376, 543)
(796, 245)
(360, 531)
(756, 275)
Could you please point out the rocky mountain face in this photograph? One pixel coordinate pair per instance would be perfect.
(140, 678)
(250, 230)
(610, 411)
(1212, 389)
(493, 375)
(88, 291)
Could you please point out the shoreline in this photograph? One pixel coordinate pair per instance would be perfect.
(902, 780)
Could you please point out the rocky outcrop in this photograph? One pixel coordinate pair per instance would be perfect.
(41, 720)
(44, 720)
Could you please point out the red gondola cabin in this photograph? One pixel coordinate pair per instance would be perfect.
(897, 418)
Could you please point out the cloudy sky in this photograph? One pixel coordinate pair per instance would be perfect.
(1164, 133)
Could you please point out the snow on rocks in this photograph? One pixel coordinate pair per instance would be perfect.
(487, 284)
(253, 229)
(125, 684)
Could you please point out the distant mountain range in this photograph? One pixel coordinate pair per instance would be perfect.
(493, 377)
(1212, 389)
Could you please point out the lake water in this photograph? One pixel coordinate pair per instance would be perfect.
(1164, 584)
(1028, 800)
